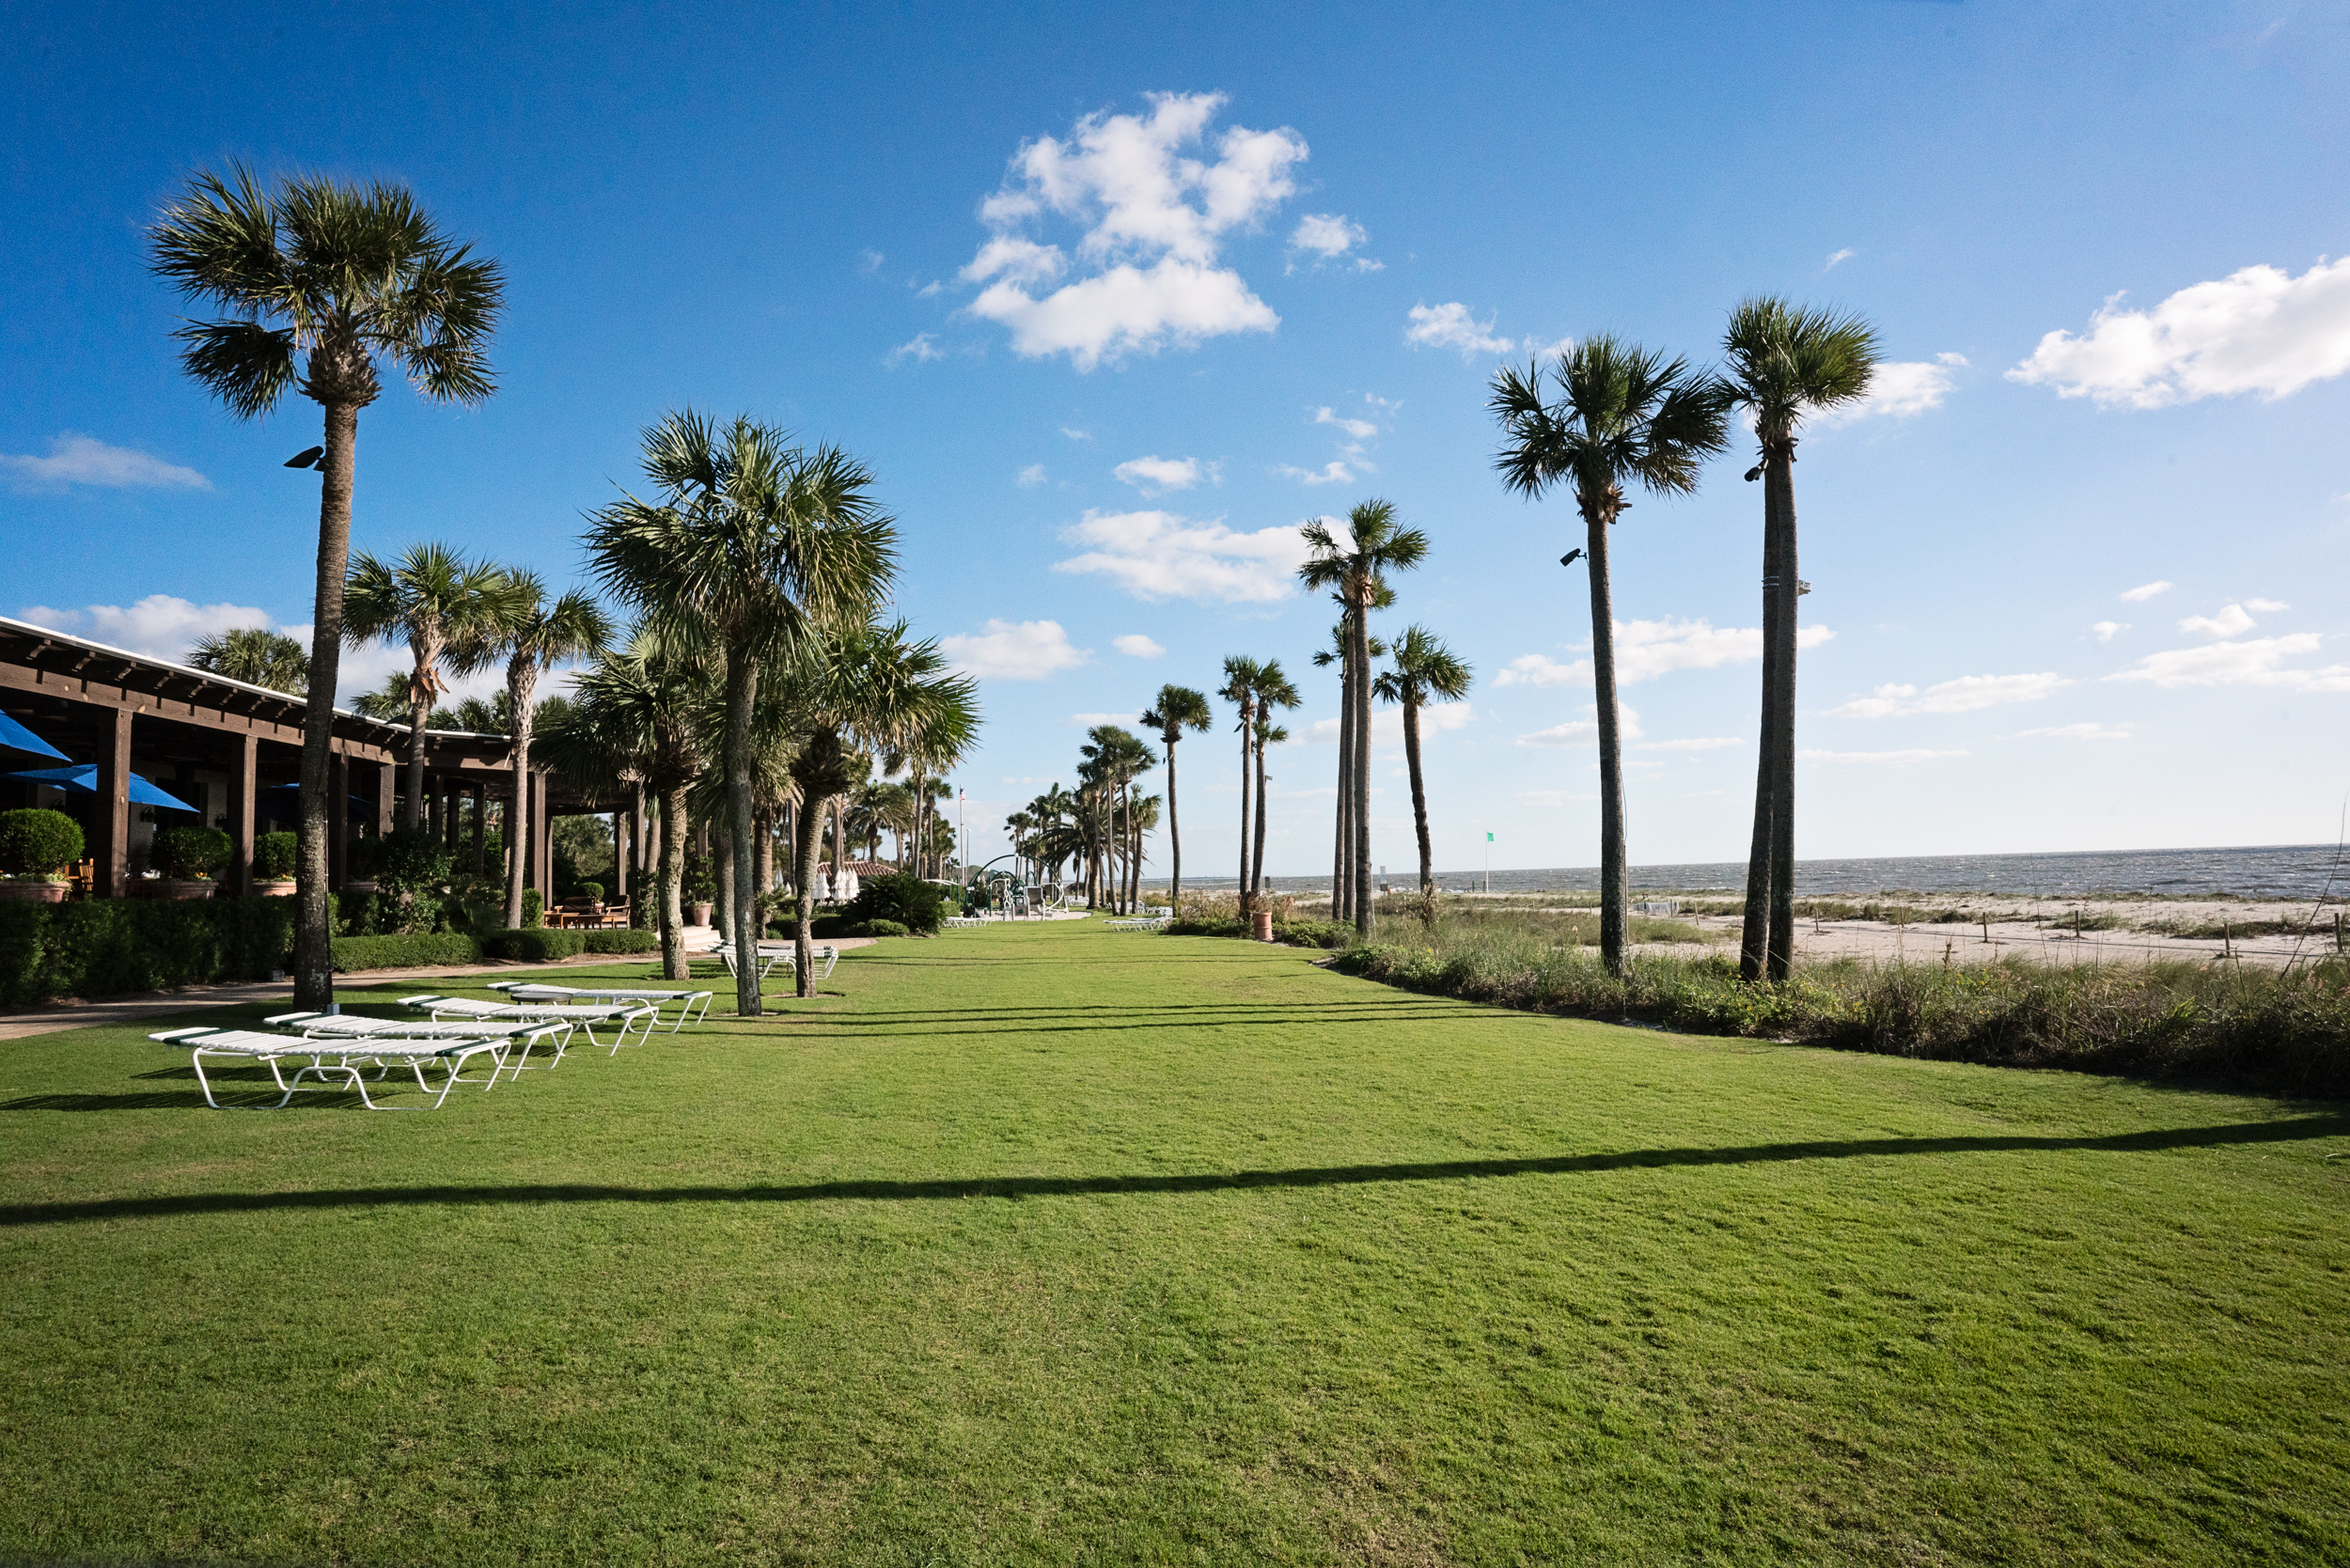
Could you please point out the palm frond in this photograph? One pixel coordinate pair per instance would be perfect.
(246, 365)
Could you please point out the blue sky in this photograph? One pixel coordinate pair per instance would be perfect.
(1112, 306)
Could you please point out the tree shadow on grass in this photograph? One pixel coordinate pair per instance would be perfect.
(2294, 1130)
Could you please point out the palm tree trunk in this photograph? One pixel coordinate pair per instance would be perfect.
(1360, 646)
(419, 714)
(636, 890)
(1256, 870)
(1420, 800)
(1341, 883)
(314, 926)
(766, 879)
(724, 914)
(741, 924)
(522, 678)
(1614, 917)
(1754, 936)
(1174, 839)
(673, 965)
(1247, 722)
(1778, 482)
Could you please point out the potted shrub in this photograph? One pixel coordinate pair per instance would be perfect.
(36, 846)
(186, 859)
(275, 857)
(359, 866)
(700, 888)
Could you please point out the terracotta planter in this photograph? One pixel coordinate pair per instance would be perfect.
(359, 886)
(172, 887)
(1263, 925)
(275, 889)
(699, 914)
(35, 892)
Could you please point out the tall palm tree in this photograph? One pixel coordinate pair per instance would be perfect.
(1623, 414)
(642, 701)
(441, 603)
(1241, 676)
(752, 545)
(254, 656)
(319, 282)
(871, 685)
(1357, 572)
(1175, 709)
(535, 635)
(1019, 825)
(1343, 856)
(1113, 757)
(1785, 362)
(1274, 691)
(1424, 670)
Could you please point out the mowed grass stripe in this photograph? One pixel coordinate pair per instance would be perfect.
(1051, 1245)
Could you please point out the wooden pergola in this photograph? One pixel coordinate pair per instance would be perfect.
(219, 743)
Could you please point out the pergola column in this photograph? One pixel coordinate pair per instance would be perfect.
(387, 792)
(543, 835)
(337, 819)
(240, 786)
(113, 850)
(481, 824)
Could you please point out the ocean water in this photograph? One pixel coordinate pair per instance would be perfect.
(2262, 872)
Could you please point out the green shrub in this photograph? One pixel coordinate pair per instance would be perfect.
(536, 944)
(534, 909)
(593, 891)
(411, 860)
(359, 857)
(109, 947)
(418, 949)
(358, 915)
(700, 881)
(38, 842)
(876, 928)
(619, 941)
(275, 855)
(191, 854)
(901, 900)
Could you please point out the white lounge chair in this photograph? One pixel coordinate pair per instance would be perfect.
(350, 1026)
(693, 1005)
(271, 1049)
(463, 1010)
(775, 955)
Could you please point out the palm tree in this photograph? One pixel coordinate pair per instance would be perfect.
(867, 685)
(1785, 362)
(1113, 755)
(442, 603)
(1623, 414)
(1175, 709)
(642, 701)
(754, 544)
(1424, 669)
(1343, 856)
(254, 656)
(1241, 676)
(1357, 572)
(388, 701)
(1020, 824)
(1275, 690)
(321, 281)
(535, 637)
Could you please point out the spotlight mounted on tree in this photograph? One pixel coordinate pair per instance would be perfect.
(307, 459)
(1570, 557)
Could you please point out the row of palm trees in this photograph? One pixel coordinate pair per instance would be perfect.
(1617, 415)
(756, 667)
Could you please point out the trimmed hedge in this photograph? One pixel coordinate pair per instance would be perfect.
(405, 952)
(537, 944)
(108, 947)
(619, 941)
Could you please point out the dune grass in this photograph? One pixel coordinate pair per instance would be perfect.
(1058, 1246)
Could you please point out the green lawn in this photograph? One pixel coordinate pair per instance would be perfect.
(1058, 1246)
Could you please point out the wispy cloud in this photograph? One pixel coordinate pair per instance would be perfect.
(2106, 628)
(1836, 256)
(1648, 649)
(2079, 732)
(1032, 475)
(1893, 758)
(79, 460)
(1964, 695)
(922, 348)
(1156, 476)
(2144, 591)
(2257, 661)
(1333, 472)
(1009, 651)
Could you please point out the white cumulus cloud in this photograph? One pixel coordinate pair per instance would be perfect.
(2257, 330)
(922, 348)
(2259, 661)
(2144, 591)
(1648, 649)
(1155, 474)
(2231, 621)
(160, 626)
(1137, 646)
(1902, 389)
(1326, 234)
(1160, 555)
(1032, 475)
(79, 460)
(1153, 218)
(1451, 327)
(2106, 628)
(1013, 651)
(1962, 696)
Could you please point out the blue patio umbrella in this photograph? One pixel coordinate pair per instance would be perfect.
(15, 737)
(84, 781)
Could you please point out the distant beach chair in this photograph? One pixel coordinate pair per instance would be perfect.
(271, 1049)
(693, 1005)
(350, 1026)
(465, 1009)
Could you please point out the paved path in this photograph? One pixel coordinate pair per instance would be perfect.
(157, 1004)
